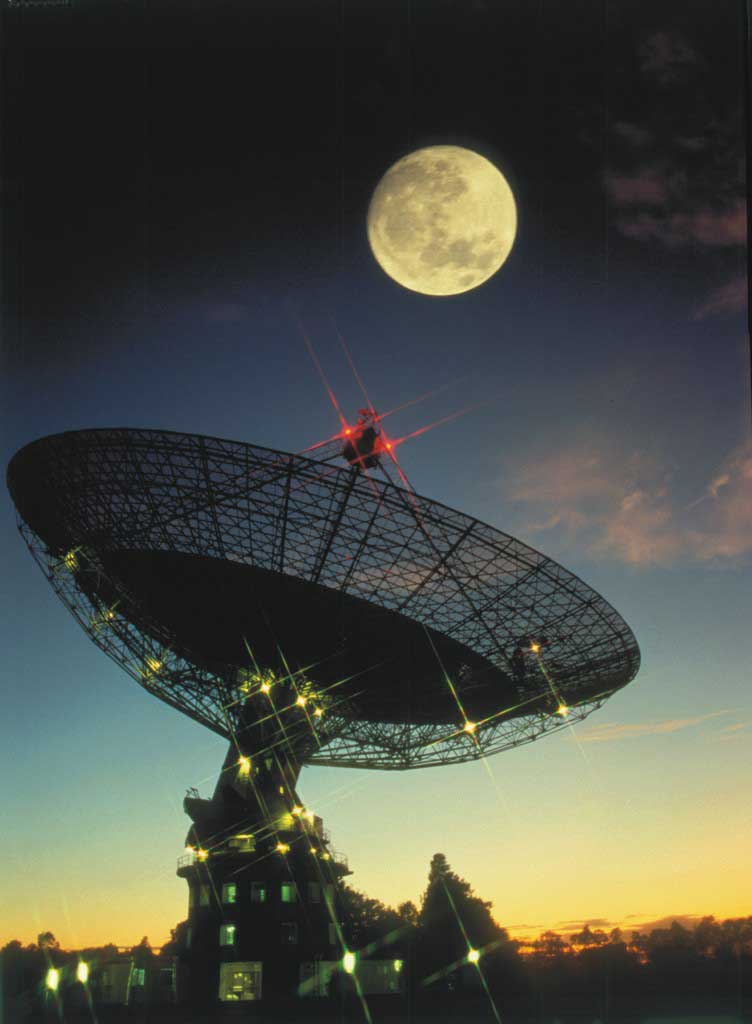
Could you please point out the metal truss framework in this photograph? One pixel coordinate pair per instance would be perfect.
(146, 490)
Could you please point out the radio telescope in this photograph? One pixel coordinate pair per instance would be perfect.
(311, 611)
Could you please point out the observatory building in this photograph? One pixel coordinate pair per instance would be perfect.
(311, 611)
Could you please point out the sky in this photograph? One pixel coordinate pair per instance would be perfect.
(184, 185)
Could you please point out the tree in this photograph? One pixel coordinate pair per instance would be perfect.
(409, 913)
(142, 952)
(366, 920)
(178, 941)
(46, 940)
(453, 921)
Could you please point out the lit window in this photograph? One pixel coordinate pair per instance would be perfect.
(229, 892)
(227, 934)
(288, 892)
(239, 982)
(203, 895)
(289, 933)
(314, 892)
(258, 892)
(138, 977)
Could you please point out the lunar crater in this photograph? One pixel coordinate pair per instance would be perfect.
(442, 220)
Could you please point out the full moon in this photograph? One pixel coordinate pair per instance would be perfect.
(442, 220)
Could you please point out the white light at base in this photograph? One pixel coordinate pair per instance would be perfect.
(82, 972)
(52, 979)
(473, 956)
(348, 962)
(265, 687)
(470, 727)
(202, 854)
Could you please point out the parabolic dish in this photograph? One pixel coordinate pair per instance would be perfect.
(179, 553)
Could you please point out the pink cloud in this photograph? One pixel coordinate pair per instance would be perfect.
(709, 227)
(645, 189)
(731, 297)
(620, 505)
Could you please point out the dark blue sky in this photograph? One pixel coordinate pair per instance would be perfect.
(180, 186)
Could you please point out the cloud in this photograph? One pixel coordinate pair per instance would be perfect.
(677, 178)
(731, 297)
(621, 505)
(689, 921)
(610, 731)
(724, 226)
(736, 731)
(667, 58)
(591, 922)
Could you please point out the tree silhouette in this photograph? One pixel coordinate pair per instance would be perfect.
(452, 922)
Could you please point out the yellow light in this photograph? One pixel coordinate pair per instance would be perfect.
(470, 727)
(398, 966)
(109, 615)
(562, 710)
(52, 979)
(202, 854)
(297, 809)
(325, 856)
(348, 962)
(535, 648)
(71, 562)
(189, 849)
(473, 956)
(153, 664)
(82, 972)
(309, 816)
(318, 712)
(283, 848)
(301, 701)
(282, 789)
(244, 765)
(265, 687)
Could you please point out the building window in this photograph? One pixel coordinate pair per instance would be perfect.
(227, 934)
(203, 895)
(239, 981)
(191, 896)
(229, 892)
(288, 892)
(138, 976)
(289, 933)
(332, 934)
(243, 844)
(314, 892)
(258, 892)
(165, 977)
